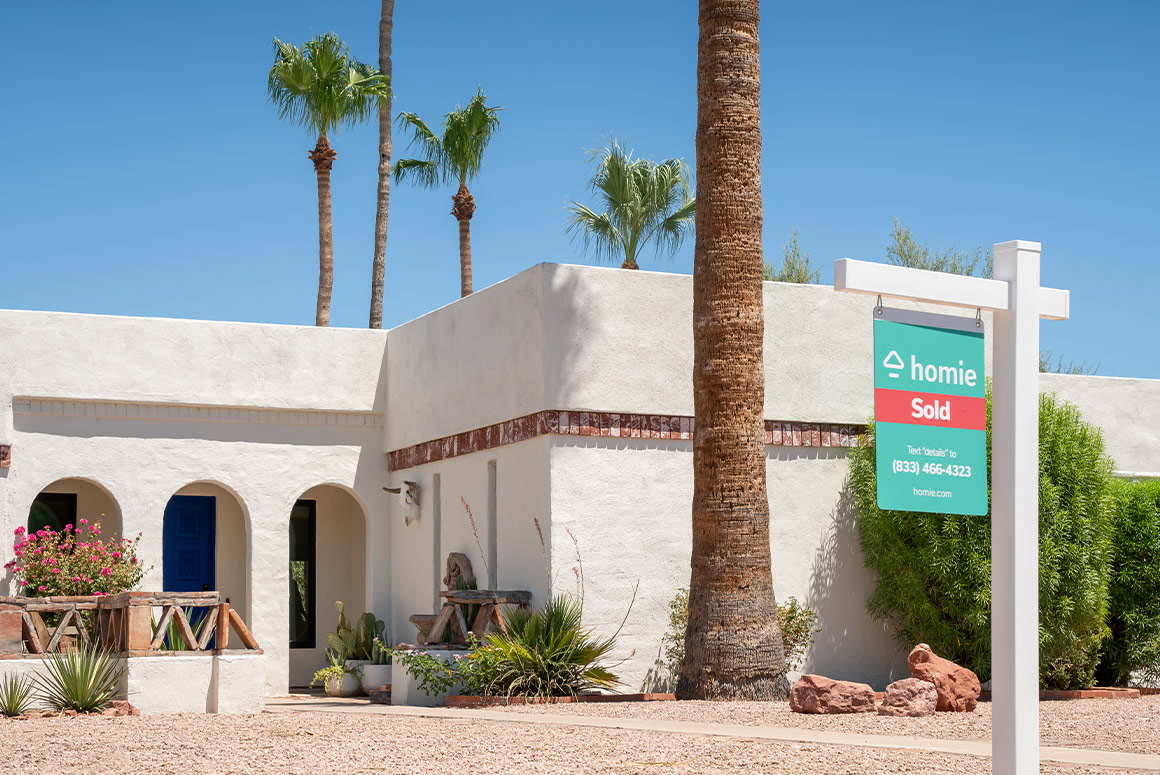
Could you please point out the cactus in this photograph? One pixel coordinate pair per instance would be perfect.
(355, 642)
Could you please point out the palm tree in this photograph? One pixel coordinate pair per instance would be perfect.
(643, 202)
(379, 266)
(733, 647)
(456, 156)
(320, 87)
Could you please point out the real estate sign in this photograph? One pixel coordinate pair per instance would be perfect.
(930, 412)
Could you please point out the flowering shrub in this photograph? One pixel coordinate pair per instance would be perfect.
(72, 562)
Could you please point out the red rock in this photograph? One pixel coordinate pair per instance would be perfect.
(121, 708)
(818, 694)
(909, 697)
(958, 688)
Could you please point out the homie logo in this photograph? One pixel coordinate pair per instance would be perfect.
(893, 361)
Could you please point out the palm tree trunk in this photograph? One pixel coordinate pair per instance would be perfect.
(463, 207)
(379, 267)
(323, 158)
(733, 647)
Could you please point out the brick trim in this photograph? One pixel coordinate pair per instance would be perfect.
(617, 425)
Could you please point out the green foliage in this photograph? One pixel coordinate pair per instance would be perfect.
(357, 641)
(456, 156)
(795, 266)
(321, 87)
(433, 674)
(934, 570)
(544, 653)
(74, 561)
(904, 250)
(380, 652)
(798, 624)
(642, 201)
(84, 679)
(15, 695)
(173, 640)
(1134, 618)
(335, 669)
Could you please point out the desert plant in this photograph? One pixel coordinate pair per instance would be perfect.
(795, 265)
(173, 640)
(1133, 650)
(337, 666)
(15, 695)
(544, 653)
(380, 652)
(85, 679)
(355, 642)
(934, 570)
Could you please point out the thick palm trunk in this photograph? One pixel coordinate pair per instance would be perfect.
(379, 267)
(733, 647)
(629, 263)
(463, 207)
(323, 158)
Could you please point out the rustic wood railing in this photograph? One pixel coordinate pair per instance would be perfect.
(123, 623)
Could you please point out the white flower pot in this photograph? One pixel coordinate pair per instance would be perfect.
(375, 676)
(347, 687)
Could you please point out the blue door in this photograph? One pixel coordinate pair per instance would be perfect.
(188, 543)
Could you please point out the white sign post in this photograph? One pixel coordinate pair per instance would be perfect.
(1018, 302)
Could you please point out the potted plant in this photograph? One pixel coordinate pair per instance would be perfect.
(340, 678)
(357, 642)
(377, 674)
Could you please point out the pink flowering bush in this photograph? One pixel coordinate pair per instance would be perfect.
(74, 561)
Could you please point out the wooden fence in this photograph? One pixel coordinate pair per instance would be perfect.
(189, 623)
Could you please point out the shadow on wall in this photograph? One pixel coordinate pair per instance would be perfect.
(851, 645)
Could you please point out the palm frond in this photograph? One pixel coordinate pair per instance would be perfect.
(643, 202)
(457, 153)
(321, 87)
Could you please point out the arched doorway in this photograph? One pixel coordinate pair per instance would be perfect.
(327, 563)
(67, 501)
(205, 544)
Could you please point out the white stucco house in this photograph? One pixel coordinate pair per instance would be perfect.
(561, 395)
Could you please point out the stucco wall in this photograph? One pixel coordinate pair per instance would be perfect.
(1127, 409)
(261, 413)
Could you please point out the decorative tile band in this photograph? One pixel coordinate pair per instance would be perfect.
(147, 410)
(607, 424)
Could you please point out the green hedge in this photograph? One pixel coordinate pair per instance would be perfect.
(934, 570)
(1134, 618)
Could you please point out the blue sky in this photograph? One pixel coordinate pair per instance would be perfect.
(145, 173)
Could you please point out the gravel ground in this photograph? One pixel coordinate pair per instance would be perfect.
(1110, 725)
(322, 742)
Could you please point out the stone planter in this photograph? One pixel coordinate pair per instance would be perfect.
(360, 665)
(347, 687)
(374, 677)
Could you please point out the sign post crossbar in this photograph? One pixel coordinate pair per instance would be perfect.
(1018, 302)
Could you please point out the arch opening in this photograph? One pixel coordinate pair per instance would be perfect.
(327, 563)
(67, 501)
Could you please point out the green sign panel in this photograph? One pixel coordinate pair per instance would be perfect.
(930, 412)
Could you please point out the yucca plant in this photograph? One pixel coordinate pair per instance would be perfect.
(544, 653)
(15, 695)
(85, 679)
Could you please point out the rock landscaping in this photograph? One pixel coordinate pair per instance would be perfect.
(818, 694)
(909, 697)
(958, 688)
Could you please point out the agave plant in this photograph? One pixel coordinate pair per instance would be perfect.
(85, 679)
(15, 695)
(544, 653)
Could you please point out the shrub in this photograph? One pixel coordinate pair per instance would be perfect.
(85, 679)
(1133, 650)
(934, 570)
(544, 653)
(355, 642)
(74, 562)
(798, 625)
(15, 695)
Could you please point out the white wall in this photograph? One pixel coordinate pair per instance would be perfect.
(419, 551)
(146, 407)
(93, 504)
(1127, 409)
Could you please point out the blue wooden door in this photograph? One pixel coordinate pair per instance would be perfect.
(188, 544)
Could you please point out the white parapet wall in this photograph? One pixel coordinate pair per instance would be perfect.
(177, 683)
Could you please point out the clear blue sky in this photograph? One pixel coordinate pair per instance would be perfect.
(145, 173)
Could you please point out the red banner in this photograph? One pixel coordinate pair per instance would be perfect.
(936, 409)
